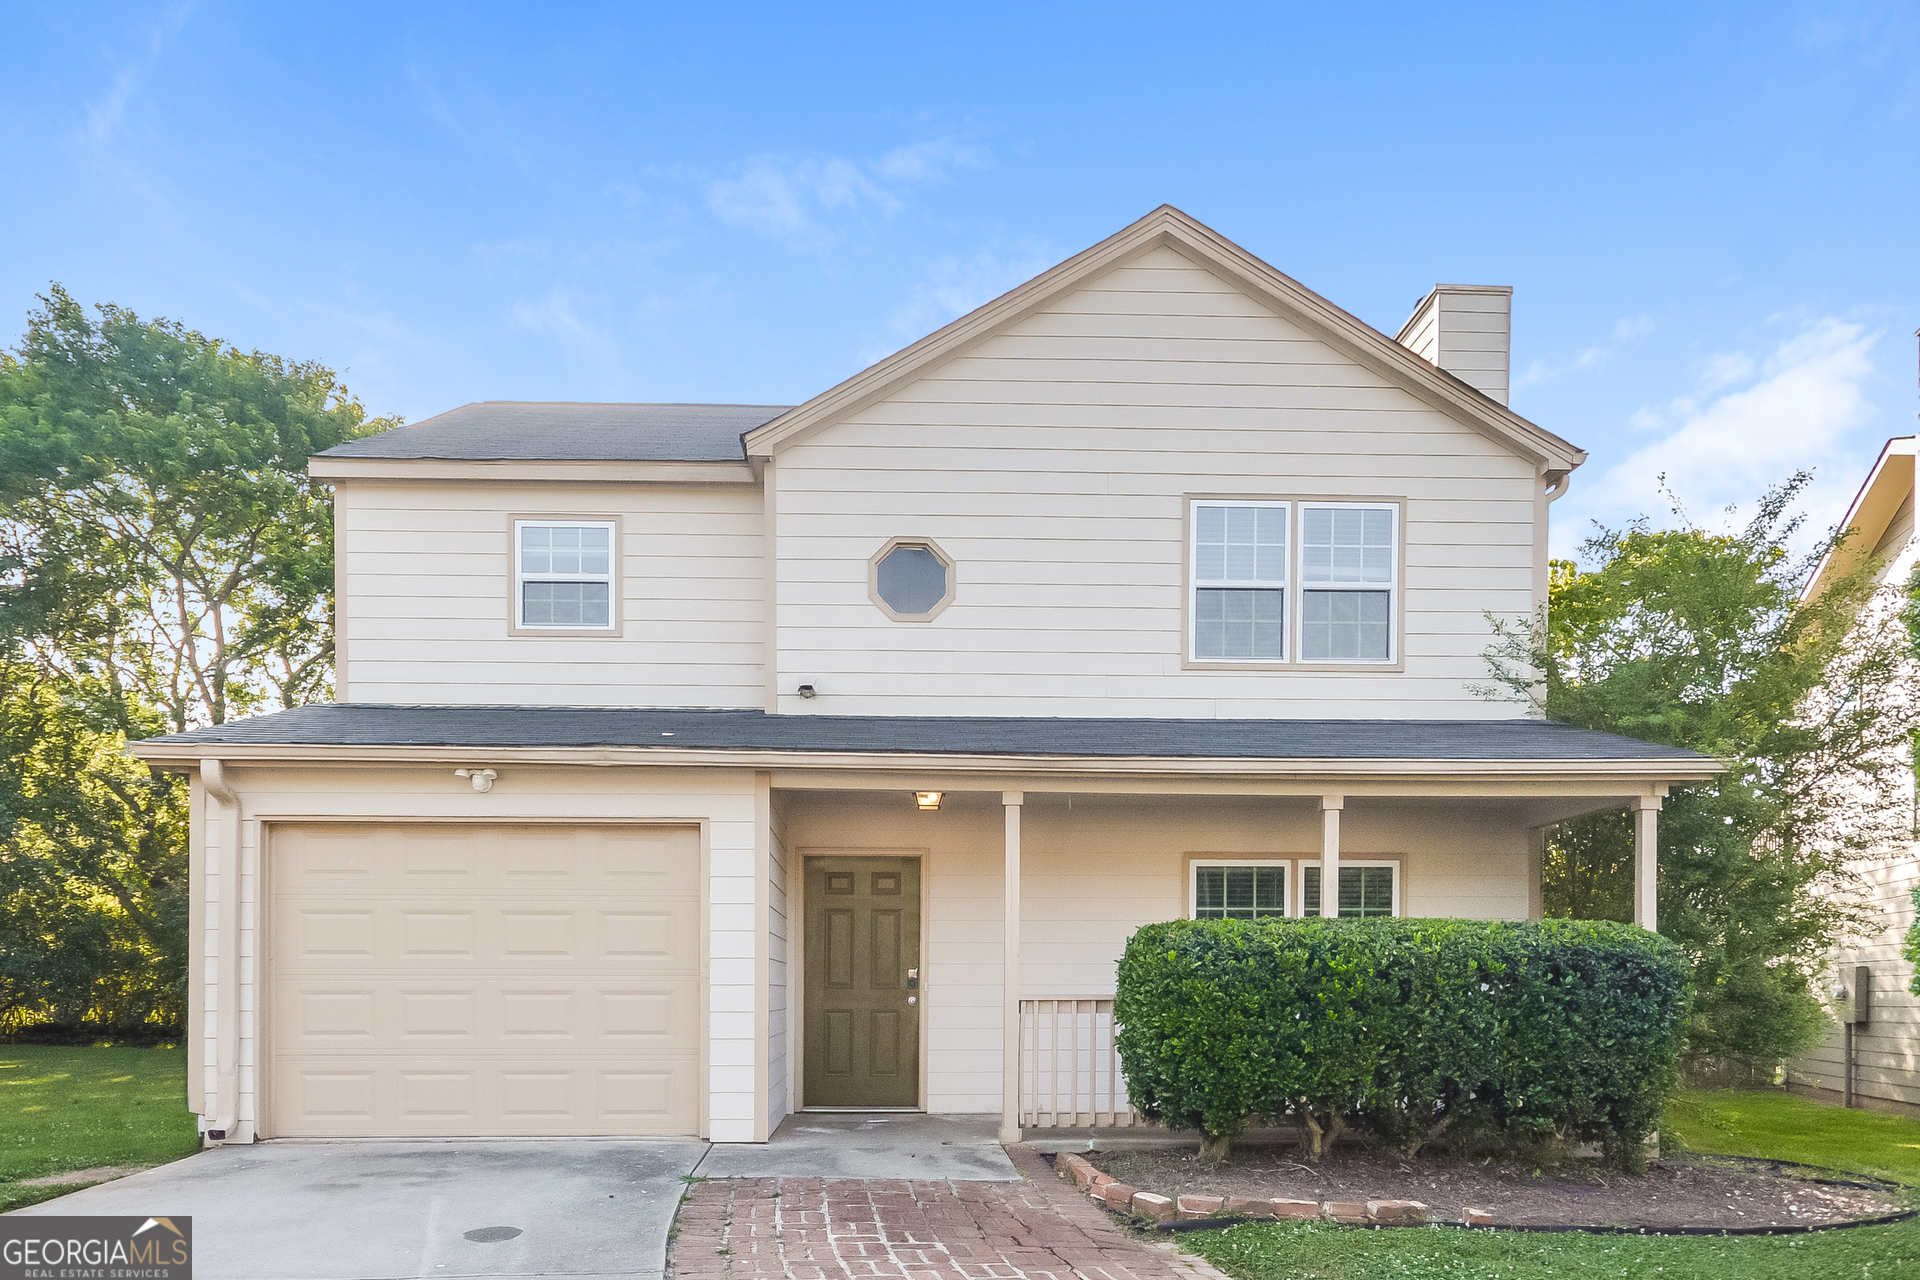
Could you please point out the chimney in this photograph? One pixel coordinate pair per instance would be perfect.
(1467, 330)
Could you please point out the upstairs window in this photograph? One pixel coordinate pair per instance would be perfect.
(563, 575)
(1240, 581)
(910, 580)
(1349, 570)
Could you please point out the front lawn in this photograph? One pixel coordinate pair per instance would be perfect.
(1752, 1123)
(68, 1109)
(1776, 1124)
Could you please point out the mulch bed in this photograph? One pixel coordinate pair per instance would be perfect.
(1690, 1191)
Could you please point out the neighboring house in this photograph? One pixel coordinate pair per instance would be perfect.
(1887, 1049)
(694, 764)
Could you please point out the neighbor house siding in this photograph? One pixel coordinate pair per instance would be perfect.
(1097, 868)
(427, 572)
(720, 802)
(1887, 1050)
(1051, 461)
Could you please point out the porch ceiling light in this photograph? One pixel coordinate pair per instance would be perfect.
(927, 800)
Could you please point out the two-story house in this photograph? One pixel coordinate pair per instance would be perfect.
(697, 764)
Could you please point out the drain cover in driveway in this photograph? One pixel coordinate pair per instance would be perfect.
(491, 1235)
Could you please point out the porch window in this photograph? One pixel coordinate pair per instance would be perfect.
(1349, 570)
(1366, 889)
(1240, 581)
(1239, 890)
(563, 575)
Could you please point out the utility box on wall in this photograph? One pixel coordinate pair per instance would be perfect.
(1862, 996)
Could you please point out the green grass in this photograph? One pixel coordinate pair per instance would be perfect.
(1751, 1123)
(1772, 1123)
(64, 1108)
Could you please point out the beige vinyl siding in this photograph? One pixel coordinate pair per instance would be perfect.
(428, 580)
(1887, 1050)
(1097, 868)
(1899, 532)
(720, 802)
(1052, 461)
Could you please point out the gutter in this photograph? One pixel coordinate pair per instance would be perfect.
(226, 1107)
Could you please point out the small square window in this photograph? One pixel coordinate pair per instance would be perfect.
(564, 575)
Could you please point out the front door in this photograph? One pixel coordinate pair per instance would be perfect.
(863, 982)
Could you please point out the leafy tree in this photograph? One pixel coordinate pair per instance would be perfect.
(1701, 640)
(165, 563)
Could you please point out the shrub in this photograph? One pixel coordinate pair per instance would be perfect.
(1551, 1031)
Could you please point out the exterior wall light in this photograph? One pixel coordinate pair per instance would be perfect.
(807, 691)
(482, 778)
(927, 800)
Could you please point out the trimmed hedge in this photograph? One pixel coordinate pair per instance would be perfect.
(1526, 1032)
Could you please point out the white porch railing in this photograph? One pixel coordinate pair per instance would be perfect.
(1070, 1075)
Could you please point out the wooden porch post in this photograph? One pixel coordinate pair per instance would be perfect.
(1010, 978)
(1646, 860)
(1330, 855)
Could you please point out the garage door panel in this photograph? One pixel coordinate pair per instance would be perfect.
(521, 1095)
(485, 980)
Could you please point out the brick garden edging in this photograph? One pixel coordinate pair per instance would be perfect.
(1171, 1215)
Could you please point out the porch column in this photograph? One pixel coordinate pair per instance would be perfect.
(1646, 860)
(1536, 873)
(1330, 855)
(1010, 978)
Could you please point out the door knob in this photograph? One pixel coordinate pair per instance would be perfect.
(913, 999)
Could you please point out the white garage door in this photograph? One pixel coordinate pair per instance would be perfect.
(441, 979)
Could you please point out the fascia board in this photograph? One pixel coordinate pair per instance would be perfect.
(190, 754)
(1168, 227)
(1886, 487)
(515, 472)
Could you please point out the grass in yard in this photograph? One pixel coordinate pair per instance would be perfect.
(1778, 1125)
(81, 1108)
(1744, 1122)
(1316, 1251)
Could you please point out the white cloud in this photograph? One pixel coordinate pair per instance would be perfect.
(953, 287)
(104, 116)
(1626, 331)
(793, 200)
(1748, 423)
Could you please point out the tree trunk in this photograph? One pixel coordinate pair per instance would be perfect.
(1321, 1131)
(1214, 1147)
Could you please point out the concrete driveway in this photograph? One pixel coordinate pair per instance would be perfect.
(374, 1210)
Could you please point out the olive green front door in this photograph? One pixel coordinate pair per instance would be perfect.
(862, 992)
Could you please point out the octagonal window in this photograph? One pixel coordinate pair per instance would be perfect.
(911, 581)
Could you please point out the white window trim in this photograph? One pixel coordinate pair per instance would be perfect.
(1195, 585)
(1399, 874)
(1293, 897)
(517, 617)
(1299, 585)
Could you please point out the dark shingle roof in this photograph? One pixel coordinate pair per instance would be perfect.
(531, 431)
(379, 724)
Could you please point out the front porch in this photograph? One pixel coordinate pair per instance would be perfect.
(1049, 884)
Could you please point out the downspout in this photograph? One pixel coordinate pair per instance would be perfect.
(226, 1106)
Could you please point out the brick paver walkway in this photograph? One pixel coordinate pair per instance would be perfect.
(849, 1229)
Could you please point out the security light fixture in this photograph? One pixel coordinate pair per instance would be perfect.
(482, 778)
(927, 800)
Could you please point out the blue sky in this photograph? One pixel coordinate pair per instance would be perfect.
(1708, 212)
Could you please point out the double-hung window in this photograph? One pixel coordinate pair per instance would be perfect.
(1240, 581)
(1349, 570)
(1243, 889)
(1366, 889)
(563, 575)
(1298, 582)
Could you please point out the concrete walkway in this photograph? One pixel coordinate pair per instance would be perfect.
(373, 1210)
(874, 1144)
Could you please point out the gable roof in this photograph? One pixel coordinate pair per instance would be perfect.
(1168, 227)
(533, 431)
(1887, 487)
